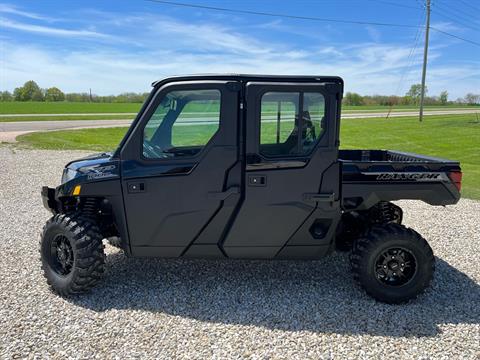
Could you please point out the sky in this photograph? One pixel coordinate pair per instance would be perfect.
(120, 46)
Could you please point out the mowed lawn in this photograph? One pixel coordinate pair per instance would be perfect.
(455, 137)
(65, 107)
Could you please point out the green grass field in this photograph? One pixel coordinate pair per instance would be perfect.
(84, 108)
(455, 137)
(32, 107)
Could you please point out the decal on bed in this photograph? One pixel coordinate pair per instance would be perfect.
(408, 176)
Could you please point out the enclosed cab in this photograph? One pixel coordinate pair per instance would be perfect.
(245, 166)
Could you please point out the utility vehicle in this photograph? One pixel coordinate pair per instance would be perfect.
(243, 167)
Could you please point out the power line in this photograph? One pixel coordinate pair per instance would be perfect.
(250, 12)
(470, 5)
(442, 14)
(457, 11)
(454, 12)
(455, 36)
(410, 60)
(396, 4)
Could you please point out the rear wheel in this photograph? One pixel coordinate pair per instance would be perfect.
(354, 224)
(392, 263)
(72, 254)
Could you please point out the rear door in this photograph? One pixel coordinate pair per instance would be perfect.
(291, 189)
(180, 170)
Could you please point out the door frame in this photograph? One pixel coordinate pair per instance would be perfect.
(134, 166)
(299, 243)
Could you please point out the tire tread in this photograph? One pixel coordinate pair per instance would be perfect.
(89, 263)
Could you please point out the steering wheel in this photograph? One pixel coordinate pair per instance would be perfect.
(153, 151)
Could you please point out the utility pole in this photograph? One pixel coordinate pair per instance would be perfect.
(425, 55)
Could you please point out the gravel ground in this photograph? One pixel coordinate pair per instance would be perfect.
(228, 309)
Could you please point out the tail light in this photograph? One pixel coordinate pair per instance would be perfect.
(456, 177)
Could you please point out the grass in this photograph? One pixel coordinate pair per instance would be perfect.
(455, 137)
(84, 139)
(64, 107)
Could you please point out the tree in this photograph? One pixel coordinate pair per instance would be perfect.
(54, 94)
(30, 91)
(6, 96)
(444, 97)
(415, 93)
(472, 99)
(353, 99)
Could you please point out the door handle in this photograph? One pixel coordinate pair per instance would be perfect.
(225, 194)
(257, 180)
(135, 187)
(326, 197)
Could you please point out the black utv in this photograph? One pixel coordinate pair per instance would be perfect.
(243, 167)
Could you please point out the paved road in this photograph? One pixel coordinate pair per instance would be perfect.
(408, 113)
(10, 130)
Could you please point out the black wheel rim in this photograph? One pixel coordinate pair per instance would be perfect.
(395, 266)
(61, 255)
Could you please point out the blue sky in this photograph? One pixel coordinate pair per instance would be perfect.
(118, 46)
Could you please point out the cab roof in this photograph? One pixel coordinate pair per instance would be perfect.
(251, 77)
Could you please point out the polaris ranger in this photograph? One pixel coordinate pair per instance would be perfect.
(245, 167)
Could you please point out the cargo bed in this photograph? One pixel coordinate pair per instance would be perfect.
(369, 176)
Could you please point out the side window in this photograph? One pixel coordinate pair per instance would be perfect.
(182, 124)
(283, 132)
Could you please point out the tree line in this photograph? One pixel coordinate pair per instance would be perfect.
(30, 91)
(412, 97)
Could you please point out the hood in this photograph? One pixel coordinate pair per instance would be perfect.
(90, 160)
(91, 168)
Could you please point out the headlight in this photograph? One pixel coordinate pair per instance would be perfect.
(68, 174)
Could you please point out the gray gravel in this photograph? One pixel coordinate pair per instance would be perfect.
(228, 309)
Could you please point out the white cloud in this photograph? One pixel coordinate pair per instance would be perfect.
(9, 9)
(48, 30)
(166, 46)
(208, 37)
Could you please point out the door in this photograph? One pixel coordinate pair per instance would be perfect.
(291, 190)
(180, 170)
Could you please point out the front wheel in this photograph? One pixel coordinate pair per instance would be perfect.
(394, 264)
(72, 254)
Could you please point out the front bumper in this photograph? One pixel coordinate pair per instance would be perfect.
(48, 198)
